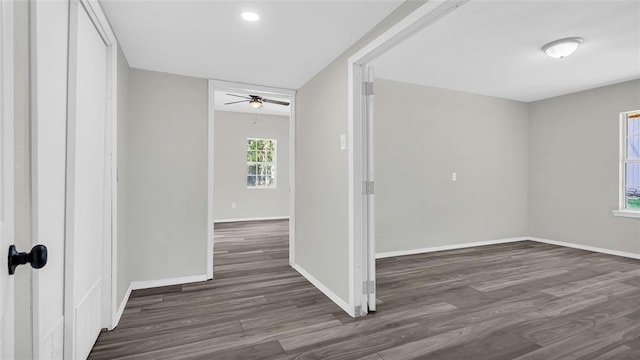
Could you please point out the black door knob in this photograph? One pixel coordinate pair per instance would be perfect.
(37, 257)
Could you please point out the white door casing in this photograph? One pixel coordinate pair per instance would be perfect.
(48, 73)
(6, 178)
(220, 85)
(369, 198)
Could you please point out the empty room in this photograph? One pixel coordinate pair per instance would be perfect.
(441, 179)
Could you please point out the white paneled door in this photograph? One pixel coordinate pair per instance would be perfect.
(88, 181)
(6, 178)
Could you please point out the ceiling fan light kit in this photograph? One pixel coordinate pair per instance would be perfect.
(561, 48)
(256, 101)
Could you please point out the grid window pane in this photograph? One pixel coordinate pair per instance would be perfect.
(261, 158)
(633, 147)
(633, 126)
(632, 185)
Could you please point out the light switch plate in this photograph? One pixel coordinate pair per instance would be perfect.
(343, 142)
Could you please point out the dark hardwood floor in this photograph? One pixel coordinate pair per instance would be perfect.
(522, 300)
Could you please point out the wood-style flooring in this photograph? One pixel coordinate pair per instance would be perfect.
(521, 300)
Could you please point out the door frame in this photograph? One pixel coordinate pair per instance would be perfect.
(361, 240)
(109, 260)
(220, 85)
(7, 340)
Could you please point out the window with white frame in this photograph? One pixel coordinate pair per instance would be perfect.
(630, 161)
(261, 163)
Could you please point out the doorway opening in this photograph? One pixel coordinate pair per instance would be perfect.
(251, 165)
(362, 247)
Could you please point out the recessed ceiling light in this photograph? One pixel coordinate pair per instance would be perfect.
(250, 16)
(562, 48)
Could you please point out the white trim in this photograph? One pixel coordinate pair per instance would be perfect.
(325, 290)
(586, 247)
(220, 85)
(252, 219)
(622, 144)
(69, 270)
(389, 254)
(622, 153)
(118, 315)
(210, 176)
(626, 213)
(359, 255)
(420, 18)
(148, 284)
(292, 182)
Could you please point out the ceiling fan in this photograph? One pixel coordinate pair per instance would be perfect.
(256, 101)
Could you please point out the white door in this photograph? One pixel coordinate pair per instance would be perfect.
(49, 30)
(88, 182)
(370, 206)
(6, 177)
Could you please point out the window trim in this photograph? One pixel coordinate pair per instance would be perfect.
(622, 210)
(274, 162)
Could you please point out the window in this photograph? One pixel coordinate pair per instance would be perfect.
(261, 163)
(630, 161)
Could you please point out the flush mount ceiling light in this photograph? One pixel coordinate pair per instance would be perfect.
(250, 16)
(562, 48)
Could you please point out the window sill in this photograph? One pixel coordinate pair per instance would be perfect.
(626, 213)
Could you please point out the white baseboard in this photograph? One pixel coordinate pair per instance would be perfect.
(251, 219)
(383, 255)
(586, 247)
(118, 315)
(147, 284)
(325, 290)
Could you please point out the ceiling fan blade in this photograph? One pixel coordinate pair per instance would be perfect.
(277, 102)
(244, 97)
(236, 102)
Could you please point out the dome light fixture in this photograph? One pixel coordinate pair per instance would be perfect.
(562, 48)
(250, 16)
(255, 103)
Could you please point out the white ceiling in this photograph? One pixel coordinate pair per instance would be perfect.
(494, 48)
(292, 41)
(222, 97)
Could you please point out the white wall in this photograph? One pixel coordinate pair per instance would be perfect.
(322, 229)
(573, 168)
(230, 148)
(424, 134)
(166, 173)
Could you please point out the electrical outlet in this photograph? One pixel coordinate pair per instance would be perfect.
(454, 176)
(233, 205)
(343, 142)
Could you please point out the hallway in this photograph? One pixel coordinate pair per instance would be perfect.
(254, 300)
